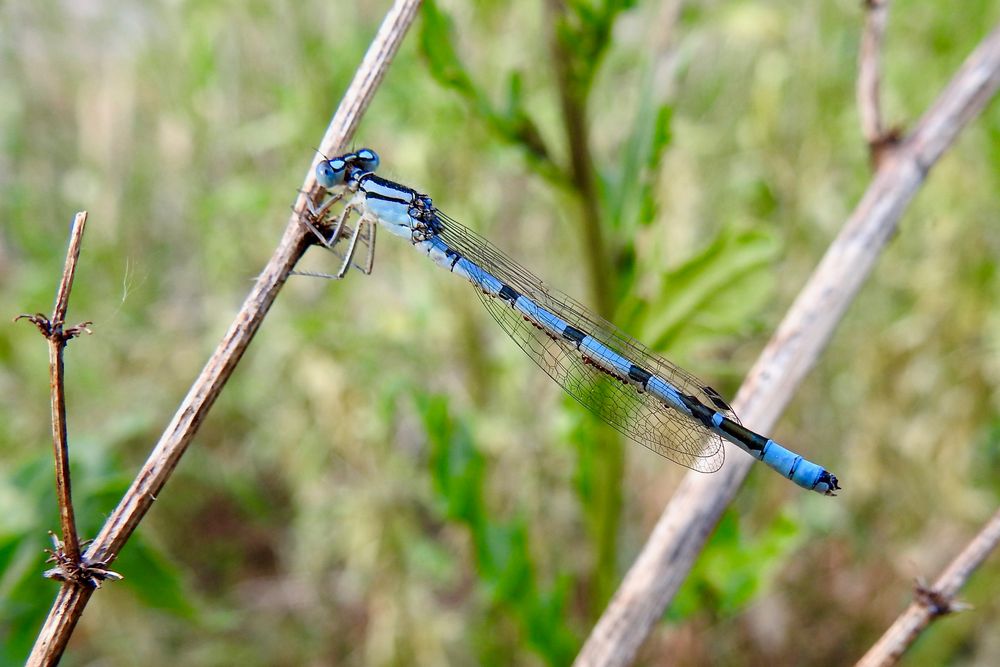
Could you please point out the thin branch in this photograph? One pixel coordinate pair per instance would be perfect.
(66, 551)
(869, 82)
(57, 343)
(69, 269)
(70, 602)
(695, 508)
(936, 601)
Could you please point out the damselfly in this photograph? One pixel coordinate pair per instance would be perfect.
(638, 392)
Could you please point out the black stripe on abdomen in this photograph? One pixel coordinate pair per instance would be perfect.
(509, 294)
(573, 334)
(639, 374)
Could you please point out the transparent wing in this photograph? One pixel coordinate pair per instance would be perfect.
(637, 414)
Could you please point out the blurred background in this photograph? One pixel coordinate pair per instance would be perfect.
(387, 479)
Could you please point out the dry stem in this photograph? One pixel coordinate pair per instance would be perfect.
(934, 601)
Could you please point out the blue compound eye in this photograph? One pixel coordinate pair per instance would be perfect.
(330, 173)
(366, 159)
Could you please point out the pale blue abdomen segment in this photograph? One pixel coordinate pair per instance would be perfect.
(667, 393)
(803, 472)
(538, 316)
(605, 358)
(475, 275)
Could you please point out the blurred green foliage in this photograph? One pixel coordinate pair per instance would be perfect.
(386, 479)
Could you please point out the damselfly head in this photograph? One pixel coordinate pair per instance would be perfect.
(340, 170)
(331, 173)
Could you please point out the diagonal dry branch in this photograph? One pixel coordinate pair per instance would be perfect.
(72, 599)
(936, 601)
(684, 526)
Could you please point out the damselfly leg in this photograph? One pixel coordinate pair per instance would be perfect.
(364, 233)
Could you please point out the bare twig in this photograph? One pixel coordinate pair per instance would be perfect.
(869, 82)
(77, 571)
(934, 601)
(70, 602)
(69, 270)
(693, 512)
(67, 551)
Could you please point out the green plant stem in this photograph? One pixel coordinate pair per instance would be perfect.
(606, 504)
(573, 103)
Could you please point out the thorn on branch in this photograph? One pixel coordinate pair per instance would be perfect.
(40, 321)
(938, 603)
(54, 330)
(82, 572)
(882, 146)
(77, 329)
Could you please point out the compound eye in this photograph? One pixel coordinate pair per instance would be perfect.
(330, 173)
(366, 159)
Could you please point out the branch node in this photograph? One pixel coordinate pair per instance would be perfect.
(80, 572)
(937, 602)
(53, 329)
(39, 320)
(880, 148)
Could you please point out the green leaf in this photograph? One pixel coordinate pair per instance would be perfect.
(714, 292)
(661, 135)
(457, 467)
(630, 191)
(518, 126)
(733, 568)
(585, 34)
(437, 45)
(25, 596)
(153, 578)
(504, 562)
(514, 125)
